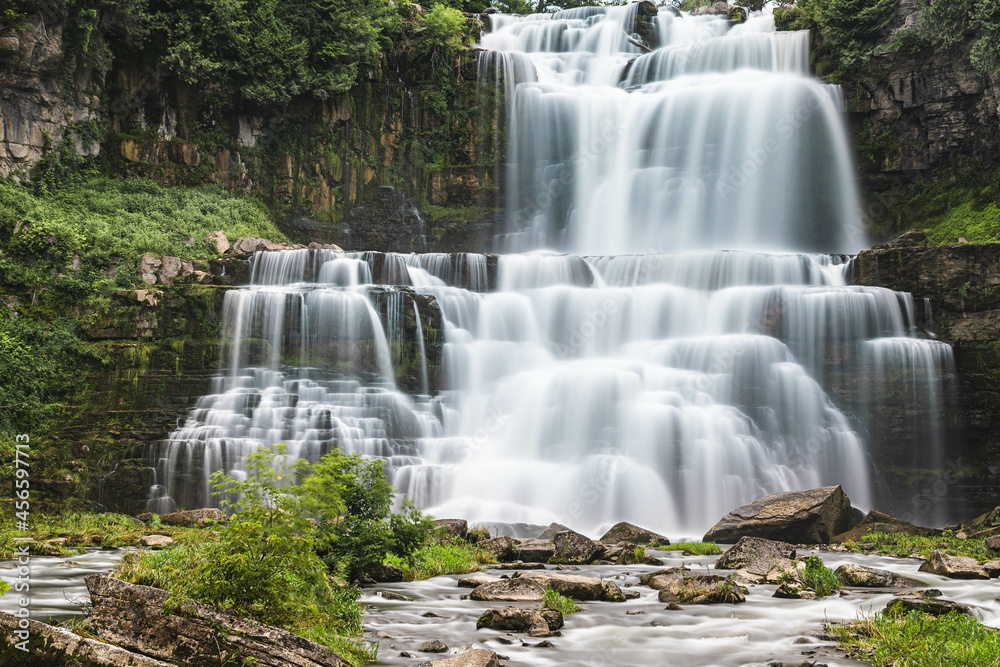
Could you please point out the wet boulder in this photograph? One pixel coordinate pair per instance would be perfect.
(877, 522)
(755, 553)
(632, 534)
(954, 567)
(501, 548)
(679, 585)
(477, 580)
(930, 606)
(476, 658)
(992, 568)
(794, 590)
(851, 574)
(799, 517)
(458, 528)
(517, 589)
(534, 551)
(572, 548)
(576, 586)
(535, 622)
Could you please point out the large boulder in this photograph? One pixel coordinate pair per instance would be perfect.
(756, 553)
(930, 606)
(475, 658)
(50, 645)
(992, 568)
(576, 586)
(993, 543)
(680, 585)
(458, 528)
(501, 548)
(575, 549)
(954, 567)
(632, 534)
(518, 589)
(534, 551)
(135, 618)
(551, 531)
(800, 517)
(853, 575)
(877, 522)
(535, 622)
(207, 516)
(477, 580)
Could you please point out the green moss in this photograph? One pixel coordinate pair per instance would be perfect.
(694, 548)
(905, 546)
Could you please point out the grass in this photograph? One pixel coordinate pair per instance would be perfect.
(694, 548)
(919, 640)
(440, 558)
(80, 530)
(906, 546)
(553, 600)
(819, 577)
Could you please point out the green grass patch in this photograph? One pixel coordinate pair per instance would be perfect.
(819, 577)
(906, 546)
(693, 548)
(919, 640)
(554, 600)
(441, 558)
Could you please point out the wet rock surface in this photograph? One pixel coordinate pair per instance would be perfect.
(955, 567)
(851, 574)
(799, 517)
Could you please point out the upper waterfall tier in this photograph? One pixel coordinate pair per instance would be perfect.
(630, 134)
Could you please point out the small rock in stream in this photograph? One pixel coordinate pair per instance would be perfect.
(390, 595)
(433, 646)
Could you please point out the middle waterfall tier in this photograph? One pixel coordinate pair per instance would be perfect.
(659, 389)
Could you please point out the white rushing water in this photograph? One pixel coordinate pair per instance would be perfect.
(652, 376)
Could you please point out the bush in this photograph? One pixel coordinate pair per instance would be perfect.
(444, 30)
(819, 577)
(553, 600)
(441, 558)
(695, 548)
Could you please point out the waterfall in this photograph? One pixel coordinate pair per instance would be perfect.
(673, 334)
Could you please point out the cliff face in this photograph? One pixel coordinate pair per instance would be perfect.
(407, 161)
(963, 284)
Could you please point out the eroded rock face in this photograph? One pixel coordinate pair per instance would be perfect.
(194, 635)
(954, 567)
(518, 589)
(854, 575)
(575, 549)
(535, 622)
(627, 532)
(799, 517)
(679, 585)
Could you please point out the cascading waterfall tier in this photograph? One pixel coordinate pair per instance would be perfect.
(681, 358)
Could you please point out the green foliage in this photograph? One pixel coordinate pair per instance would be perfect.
(819, 577)
(440, 558)
(39, 372)
(694, 548)
(906, 546)
(553, 600)
(849, 30)
(351, 499)
(919, 640)
(444, 29)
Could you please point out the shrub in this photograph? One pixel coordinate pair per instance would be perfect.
(444, 30)
(819, 577)
(440, 558)
(553, 600)
(695, 548)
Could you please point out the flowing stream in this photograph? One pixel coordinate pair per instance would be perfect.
(670, 334)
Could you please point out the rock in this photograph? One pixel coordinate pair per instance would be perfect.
(954, 567)
(777, 571)
(207, 516)
(433, 646)
(755, 555)
(924, 593)
(992, 568)
(673, 606)
(794, 590)
(993, 543)
(575, 549)
(156, 541)
(576, 586)
(501, 548)
(534, 551)
(536, 622)
(551, 531)
(477, 580)
(928, 606)
(219, 240)
(58, 646)
(475, 658)
(192, 635)
(681, 585)
(170, 268)
(149, 265)
(384, 573)
(800, 517)
(518, 589)
(869, 577)
(392, 595)
(145, 517)
(455, 527)
(877, 522)
(627, 532)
